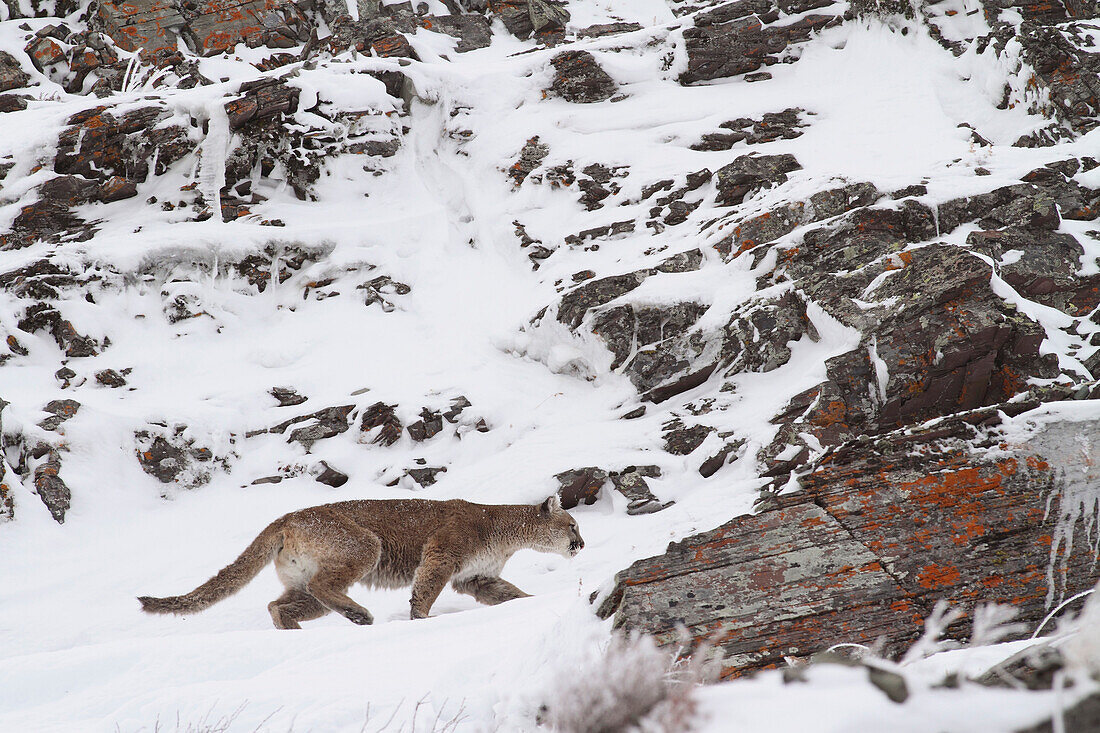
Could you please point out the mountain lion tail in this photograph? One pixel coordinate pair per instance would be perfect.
(228, 581)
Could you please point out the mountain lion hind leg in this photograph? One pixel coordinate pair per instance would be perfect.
(293, 607)
(324, 558)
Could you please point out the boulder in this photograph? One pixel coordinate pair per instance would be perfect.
(12, 75)
(580, 486)
(329, 476)
(741, 37)
(579, 78)
(882, 529)
(749, 173)
(60, 411)
(524, 18)
(384, 418)
(428, 426)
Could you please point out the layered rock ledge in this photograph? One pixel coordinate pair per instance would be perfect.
(967, 509)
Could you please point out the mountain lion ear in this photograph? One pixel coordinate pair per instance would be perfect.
(552, 504)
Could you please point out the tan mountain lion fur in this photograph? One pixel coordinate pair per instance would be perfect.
(321, 551)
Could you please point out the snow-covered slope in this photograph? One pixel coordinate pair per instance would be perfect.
(397, 253)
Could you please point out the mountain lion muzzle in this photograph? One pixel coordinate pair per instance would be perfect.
(322, 551)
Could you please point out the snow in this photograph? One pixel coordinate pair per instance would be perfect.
(75, 652)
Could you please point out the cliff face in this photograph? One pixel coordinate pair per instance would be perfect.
(823, 275)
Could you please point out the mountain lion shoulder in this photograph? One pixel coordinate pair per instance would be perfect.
(322, 551)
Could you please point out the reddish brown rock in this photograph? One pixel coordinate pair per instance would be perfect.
(50, 216)
(580, 485)
(881, 530)
(741, 38)
(117, 188)
(261, 100)
(384, 417)
(100, 143)
(208, 26)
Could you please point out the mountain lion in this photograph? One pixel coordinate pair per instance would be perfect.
(321, 551)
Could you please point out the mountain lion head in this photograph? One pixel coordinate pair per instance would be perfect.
(557, 531)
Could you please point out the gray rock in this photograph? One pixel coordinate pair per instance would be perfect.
(749, 173)
(60, 411)
(51, 489)
(12, 75)
(287, 396)
(579, 78)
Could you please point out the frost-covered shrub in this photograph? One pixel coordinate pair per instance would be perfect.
(1082, 649)
(628, 685)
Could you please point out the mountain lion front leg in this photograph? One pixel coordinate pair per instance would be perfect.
(489, 589)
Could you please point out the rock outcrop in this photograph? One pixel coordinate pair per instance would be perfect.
(881, 529)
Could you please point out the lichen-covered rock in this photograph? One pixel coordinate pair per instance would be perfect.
(1062, 64)
(771, 126)
(101, 143)
(765, 228)
(576, 303)
(471, 30)
(322, 424)
(882, 529)
(207, 26)
(60, 411)
(7, 504)
(110, 378)
(287, 396)
(631, 483)
(651, 344)
(681, 440)
(758, 337)
(530, 157)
